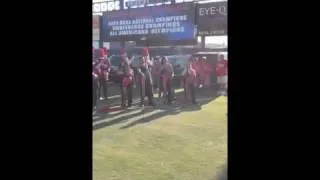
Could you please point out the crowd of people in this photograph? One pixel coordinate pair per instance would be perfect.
(155, 75)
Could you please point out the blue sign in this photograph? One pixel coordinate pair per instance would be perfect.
(172, 22)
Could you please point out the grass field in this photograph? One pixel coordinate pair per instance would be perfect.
(184, 144)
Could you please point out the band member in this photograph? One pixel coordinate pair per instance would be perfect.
(105, 51)
(108, 63)
(145, 78)
(167, 75)
(201, 71)
(207, 71)
(190, 82)
(106, 59)
(197, 67)
(94, 89)
(126, 79)
(133, 65)
(222, 74)
(102, 70)
(156, 73)
(161, 88)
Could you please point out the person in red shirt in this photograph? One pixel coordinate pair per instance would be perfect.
(125, 73)
(190, 84)
(166, 78)
(155, 71)
(94, 89)
(107, 62)
(201, 71)
(144, 74)
(207, 71)
(197, 67)
(102, 69)
(222, 74)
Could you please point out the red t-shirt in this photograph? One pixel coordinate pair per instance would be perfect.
(222, 68)
(207, 68)
(102, 70)
(197, 67)
(191, 76)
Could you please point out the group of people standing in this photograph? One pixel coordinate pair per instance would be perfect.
(130, 75)
(156, 74)
(204, 72)
(162, 74)
(149, 75)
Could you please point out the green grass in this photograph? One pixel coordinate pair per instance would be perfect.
(190, 145)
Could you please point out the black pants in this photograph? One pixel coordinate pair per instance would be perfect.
(192, 92)
(94, 93)
(161, 88)
(146, 91)
(198, 80)
(126, 94)
(185, 91)
(169, 91)
(103, 86)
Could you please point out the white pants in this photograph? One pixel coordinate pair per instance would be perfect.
(222, 79)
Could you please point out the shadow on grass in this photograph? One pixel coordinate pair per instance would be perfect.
(167, 110)
(103, 116)
(206, 96)
(223, 173)
(147, 119)
(116, 121)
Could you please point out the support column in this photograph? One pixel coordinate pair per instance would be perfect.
(121, 4)
(203, 42)
(122, 42)
(100, 33)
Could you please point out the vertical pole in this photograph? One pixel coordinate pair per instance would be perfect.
(121, 4)
(122, 42)
(100, 33)
(203, 42)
